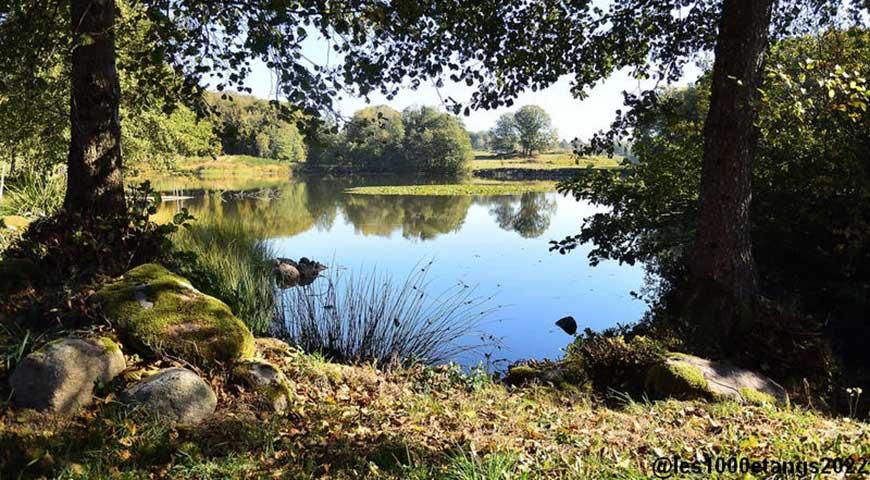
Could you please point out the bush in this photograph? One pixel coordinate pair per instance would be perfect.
(611, 361)
(371, 318)
(230, 261)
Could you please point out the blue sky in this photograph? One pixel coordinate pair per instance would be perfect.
(571, 117)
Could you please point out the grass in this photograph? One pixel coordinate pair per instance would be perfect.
(545, 161)
(420, 422)
(369, 317)
(236, 172)
(34, 194)
(474, 188)
(231, 261)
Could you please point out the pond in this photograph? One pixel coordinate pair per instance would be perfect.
(499, 244)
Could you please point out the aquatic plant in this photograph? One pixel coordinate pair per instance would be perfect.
(370, 317)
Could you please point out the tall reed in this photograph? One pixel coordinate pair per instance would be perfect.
(35, 194)
(232, 262)
(370, 317)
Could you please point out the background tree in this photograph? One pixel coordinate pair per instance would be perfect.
(534, 129)
(374, 138)
(503, 137)
(479, 140)
(436, 142)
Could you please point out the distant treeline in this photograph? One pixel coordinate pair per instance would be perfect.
(382, 140)
(248, 125)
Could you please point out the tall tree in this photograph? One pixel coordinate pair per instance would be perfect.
(95, 181)
(534, 129)
(503, 137)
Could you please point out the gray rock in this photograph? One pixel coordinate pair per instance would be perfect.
(175, 394)
(686, 377)
(289, 273)
(267, 381)
(60, 377)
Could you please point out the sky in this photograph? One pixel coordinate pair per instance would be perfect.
(571, 117)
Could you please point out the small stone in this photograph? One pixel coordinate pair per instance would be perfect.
(176, 394)
(267, 380)
(60, 377)
(567, 324)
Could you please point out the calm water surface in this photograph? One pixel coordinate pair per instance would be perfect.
(497, 243)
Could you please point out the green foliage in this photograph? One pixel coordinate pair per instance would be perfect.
(380, 140)
(233, 262)
(613, 361)
(528, 130)
(153, 138)
(107, 245)
(534, 130)
(436, 142)
(811, 195)
(374, 137)
(480, 140)
(503, 137)
(34, 195)
(251, 126)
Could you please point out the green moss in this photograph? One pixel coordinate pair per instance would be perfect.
(521, 374)
(691, 374)
(109, 344)
(677, 379)
(755, 397)
(161, 312)
(14, 222)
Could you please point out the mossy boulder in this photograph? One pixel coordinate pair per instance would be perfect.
(688, 377)
(159, 312)
(267, 381)
(14, 222)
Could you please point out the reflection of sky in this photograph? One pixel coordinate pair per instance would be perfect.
(536, 287)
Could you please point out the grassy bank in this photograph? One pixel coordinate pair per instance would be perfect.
(545, 161)
(474, 188)
(359, 422)
(233, 172)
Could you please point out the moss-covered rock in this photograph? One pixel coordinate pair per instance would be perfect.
(14, 222)
(267, 381)
(688, 377)
(157, 311)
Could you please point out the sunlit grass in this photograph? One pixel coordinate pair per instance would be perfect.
(545, 161)
(232, 262)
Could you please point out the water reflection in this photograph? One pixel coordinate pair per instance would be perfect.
(298, 207)
(530, 216)
(498, 244)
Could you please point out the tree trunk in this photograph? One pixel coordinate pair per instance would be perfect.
(723, 260)
(95, 185)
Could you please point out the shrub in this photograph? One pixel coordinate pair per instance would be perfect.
(611, 361)
(369, 317)
(230, 261)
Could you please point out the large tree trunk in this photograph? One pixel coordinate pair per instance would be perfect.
(723, 260)
(95, 185)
